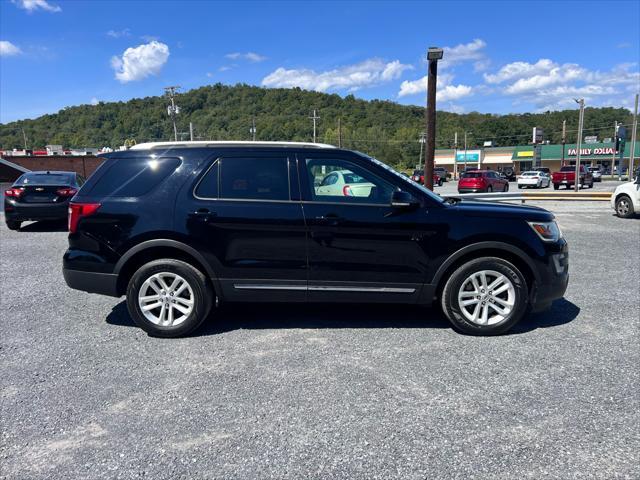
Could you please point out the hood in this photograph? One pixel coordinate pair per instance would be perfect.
(475, 208)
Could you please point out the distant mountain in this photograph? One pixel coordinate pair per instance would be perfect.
(384, 129)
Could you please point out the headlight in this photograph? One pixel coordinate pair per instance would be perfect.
(547, 231)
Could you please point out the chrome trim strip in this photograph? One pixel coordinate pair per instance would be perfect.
(324, 288)
(361, 289)
(249, 286)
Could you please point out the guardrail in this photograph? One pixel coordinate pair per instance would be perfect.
(537, 196)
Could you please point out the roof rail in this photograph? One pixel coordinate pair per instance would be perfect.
(228, 143)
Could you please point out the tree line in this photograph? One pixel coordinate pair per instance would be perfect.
(384, 129)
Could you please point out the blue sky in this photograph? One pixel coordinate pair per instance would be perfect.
(500, 57)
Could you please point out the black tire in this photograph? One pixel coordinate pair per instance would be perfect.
(624, 207)
(440, 182)
(591, 184)
(13, 224)
(506, 187)
(489, 189)
(556, 186)
(203, 297)
(453, 310)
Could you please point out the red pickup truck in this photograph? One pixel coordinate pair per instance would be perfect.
(567, 177)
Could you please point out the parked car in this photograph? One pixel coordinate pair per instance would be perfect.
(534, 179)
(40, 195)
(418, 176)
(626, 199)
(443, 173)
(567, 177)
(243, 222)
(597, 173)
(478, 181)
(507, 172)
(344, 182)
(546, 170)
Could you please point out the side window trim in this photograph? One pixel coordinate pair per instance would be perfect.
(216, 164)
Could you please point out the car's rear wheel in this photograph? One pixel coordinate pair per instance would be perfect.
(169, 298)
(486, 296)
(13, 225)
(624, 207)
(489, 189)
(506, 187)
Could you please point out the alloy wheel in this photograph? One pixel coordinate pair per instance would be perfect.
(166, 299)
(486, 297)
(623, 207)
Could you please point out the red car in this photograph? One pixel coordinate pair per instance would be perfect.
(480, 181)
(418, 176)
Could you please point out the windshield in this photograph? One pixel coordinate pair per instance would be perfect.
(530, 174)
(44, 179)
(471, 175)
(406, 180)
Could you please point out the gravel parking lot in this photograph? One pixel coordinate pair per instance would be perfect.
(323, 391)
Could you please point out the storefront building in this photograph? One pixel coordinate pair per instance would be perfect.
(521, 158)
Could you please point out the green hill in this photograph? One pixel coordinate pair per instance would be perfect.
(219, 112)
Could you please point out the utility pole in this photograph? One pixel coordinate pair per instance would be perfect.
(339, 132)
(252, 130)
(455, 155)
(191, 131)
(24, 137)
(433, 55)
(579, 144)
(633, 139)
(173, 109)
(422, 140)
(615, 142)
(314, 118)
(465, 151)
(564, 140)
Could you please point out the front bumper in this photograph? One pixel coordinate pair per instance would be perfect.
(553, 282)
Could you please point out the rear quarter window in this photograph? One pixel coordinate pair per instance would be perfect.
(133, 177)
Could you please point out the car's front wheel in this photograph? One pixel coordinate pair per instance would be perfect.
(169, 298)
(485, 296)
(624, 207)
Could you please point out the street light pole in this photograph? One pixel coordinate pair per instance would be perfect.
(579, 144)
(433, 55)
(634, 127)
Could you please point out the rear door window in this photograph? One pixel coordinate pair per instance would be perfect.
(254, 178)
(133, 177)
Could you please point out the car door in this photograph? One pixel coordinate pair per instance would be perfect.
(245, 209)
(359, 247)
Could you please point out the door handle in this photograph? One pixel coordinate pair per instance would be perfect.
(330, 219)
(204, 214)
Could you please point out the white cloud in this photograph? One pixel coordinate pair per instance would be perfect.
(8, 49)
(139, 62)
(125, 32)
(518, 70)
(444, 89)
(464, 52)
(94, 101)
(34, 5)
(352, 77)
(551, 86)
(224, 68)
(250, 56)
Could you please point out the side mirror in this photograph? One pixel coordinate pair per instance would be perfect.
(400, 199)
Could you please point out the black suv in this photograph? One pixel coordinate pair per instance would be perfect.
(179, 227)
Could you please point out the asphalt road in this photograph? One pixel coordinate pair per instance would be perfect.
(291, 391)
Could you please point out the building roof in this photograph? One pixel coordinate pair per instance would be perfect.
(229, 143)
